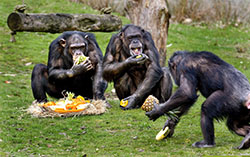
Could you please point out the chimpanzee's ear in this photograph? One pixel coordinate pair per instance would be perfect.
(121, 35)
(143, 31)
(171, 65)
(62, 42)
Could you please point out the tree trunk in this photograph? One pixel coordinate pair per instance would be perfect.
(152, 16)
(57, 23)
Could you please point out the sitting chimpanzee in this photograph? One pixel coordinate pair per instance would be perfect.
(226, 89)
(132, 63)
(61, 74)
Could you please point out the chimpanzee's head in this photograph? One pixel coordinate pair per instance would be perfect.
(75, 45)
(132, 38)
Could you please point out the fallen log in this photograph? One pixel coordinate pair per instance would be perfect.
(60, 22)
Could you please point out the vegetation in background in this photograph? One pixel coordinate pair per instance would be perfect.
(223, 12)
(117, 132)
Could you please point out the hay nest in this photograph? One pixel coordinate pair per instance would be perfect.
(96, 107)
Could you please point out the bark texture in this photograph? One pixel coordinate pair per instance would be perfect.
(57, 23)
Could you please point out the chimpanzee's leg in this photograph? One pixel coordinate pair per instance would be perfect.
(163, 92)
(40, 85)
(245, 143)
(102, 86)
(163, 88)
(211, 108)
(124, 87)
(38, 79)
(241, 126)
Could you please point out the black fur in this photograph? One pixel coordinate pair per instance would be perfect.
(60, 74)
(135, 78)
(226, 89)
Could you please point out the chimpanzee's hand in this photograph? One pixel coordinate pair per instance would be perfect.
(131, 102)
(171, 124)
(155, 113)
(133, 60)
(83, 67)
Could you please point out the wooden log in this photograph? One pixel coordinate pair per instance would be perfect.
(59, 22)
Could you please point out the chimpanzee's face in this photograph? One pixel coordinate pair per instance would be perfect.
(76, 46)
(134, 40)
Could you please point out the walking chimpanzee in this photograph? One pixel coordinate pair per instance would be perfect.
(226, 89)
(132, 63)
(61, 74)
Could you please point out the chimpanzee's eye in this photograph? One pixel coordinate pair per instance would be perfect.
(130, 38)
(83, 49)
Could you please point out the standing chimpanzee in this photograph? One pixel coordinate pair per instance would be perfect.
(227, 91)
(132, 63)
(61, 74)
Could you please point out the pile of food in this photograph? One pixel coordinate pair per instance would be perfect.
(68, 106)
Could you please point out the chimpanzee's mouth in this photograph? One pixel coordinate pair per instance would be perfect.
(75, 57)
(78, 59)
(135, 50)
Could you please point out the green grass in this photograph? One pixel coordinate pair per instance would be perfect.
(117, 132)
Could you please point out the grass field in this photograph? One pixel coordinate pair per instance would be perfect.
(117, 132)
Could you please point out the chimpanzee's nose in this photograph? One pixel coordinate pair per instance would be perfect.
(78, 53)
(135, 41)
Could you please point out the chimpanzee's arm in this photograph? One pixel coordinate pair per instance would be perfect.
(152, 77)
(60, 69)
(60, 74)
(113, 70)
(115, 65)
(154, 70)
(185, 94)
(112, 67)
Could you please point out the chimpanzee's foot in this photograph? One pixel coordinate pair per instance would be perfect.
(202, 144)
(167, 130)
(40, 101)
(245, 144)
(171, 124)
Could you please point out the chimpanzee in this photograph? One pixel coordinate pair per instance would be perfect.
(131, 61)
(226, 89)
(61, 74)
